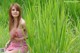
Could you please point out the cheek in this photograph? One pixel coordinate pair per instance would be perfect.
(12, 12)
(18, 13)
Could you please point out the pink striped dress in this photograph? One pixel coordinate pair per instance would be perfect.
(14, 45)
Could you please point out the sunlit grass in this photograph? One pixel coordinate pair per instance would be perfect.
(53, 26)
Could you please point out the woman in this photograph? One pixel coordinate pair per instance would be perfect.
(18, 32)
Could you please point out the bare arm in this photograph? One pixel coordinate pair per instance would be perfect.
(24, 32)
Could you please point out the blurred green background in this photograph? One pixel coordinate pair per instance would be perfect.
(53, 25)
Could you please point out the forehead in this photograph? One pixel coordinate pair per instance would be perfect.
(13, 7)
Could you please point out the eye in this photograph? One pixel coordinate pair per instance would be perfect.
(17, 10)
(13, 9)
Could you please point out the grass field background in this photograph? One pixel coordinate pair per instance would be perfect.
(53, 25)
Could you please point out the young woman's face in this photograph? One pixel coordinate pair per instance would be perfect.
(14, 12)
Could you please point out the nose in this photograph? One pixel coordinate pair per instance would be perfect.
(15, 11)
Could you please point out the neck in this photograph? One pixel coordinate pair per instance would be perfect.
(15, 22)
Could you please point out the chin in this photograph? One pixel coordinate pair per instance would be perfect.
(15, 16)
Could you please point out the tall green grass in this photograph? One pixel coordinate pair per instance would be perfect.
(53, 25)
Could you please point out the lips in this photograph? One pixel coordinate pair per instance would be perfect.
(15, 14)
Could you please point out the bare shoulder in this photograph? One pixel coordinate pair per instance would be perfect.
(22, 22)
